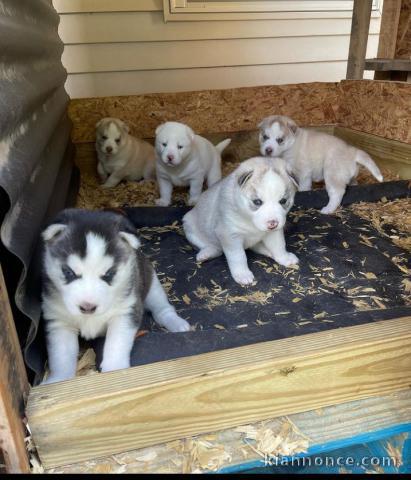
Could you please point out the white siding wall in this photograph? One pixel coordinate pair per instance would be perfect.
(123, 47)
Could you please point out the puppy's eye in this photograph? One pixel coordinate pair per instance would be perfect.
(68, 273)
(283, 201)
(257, 202)
(280, 140)
(180, 147)
(164, 144)
(104, 137)
(118, 140)
(265, 137)
(109, 275)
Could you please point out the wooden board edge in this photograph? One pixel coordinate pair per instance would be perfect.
(13, 390)
(391, 154)
(114, 420)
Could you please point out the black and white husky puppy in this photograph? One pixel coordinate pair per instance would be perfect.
(97, 282)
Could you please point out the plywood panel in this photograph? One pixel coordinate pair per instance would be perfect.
(163, 81)
(97, 415)
(211, 53)
(150, 26)
(205, 111)
(377, 107)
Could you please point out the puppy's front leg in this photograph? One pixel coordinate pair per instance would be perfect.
(237, 259)
(101, 172)
(62, 349)
(163, 313)
(112, 181)
(119, 342)
(275, 243)
(166, 189)
(196, 187)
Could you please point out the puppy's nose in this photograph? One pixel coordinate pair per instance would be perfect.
(170, 158)
(272, 224)
(268, 150)
(109, 149)
(87, 308)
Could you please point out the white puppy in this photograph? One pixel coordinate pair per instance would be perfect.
(247, 209)
(313, 156)
(120, 155)
(184, 158)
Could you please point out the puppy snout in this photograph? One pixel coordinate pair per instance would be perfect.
(109, 149)
(268, 151)
(170, 158)
(87, 308)
(272, 224)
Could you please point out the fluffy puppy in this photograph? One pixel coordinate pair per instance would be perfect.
(313, 156)
(97, 282)
(120, 155)
(184, 158)
(247, 209)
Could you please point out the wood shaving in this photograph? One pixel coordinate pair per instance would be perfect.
(388, 216)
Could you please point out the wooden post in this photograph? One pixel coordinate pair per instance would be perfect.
(388, 34)
(14, 389)
(359, 36)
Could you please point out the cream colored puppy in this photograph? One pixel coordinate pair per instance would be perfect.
(247, 209)
(120, 155)
(313, 156)
(184, 158)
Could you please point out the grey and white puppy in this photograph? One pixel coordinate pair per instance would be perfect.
(246, 209)
(313, 156)
(97, 282)
(184, 158)
(120, 155)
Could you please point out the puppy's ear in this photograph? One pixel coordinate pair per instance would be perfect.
(100, 123)
(159, 128)
(292, 126)
(53, 232)
(293, 180)
(244, 177)
(124, 126)
(190, 133)
(128, 234)
(283, 169)
(130, 239)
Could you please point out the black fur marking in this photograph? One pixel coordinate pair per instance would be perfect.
(106, 225)
(243, 179)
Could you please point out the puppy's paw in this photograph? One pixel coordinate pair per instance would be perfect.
(192, 201)
(174, 323)
(55, 378)
(115, 364)
(327, 210)
(207, 253)
(243, 277)
(107, 185)
(288, 259)
(161, 202)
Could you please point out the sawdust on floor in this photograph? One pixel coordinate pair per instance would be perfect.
(92, 195)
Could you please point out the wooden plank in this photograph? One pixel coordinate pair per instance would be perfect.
(359, 37)
(94, 6)
(13, 390)
(327, 426)
(388, 34)
(150, 27)
(88, 417)
(391, 154)
(387, 64)
(210, 53)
